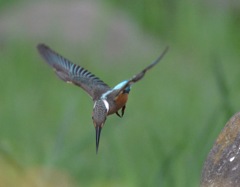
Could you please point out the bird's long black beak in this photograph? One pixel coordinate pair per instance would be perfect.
(98, 133)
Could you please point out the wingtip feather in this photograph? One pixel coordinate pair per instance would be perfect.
(41, 47)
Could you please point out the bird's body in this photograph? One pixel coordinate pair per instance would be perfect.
(106, 100)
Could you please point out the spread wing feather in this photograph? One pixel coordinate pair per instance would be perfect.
(140, 75)
(69, 72)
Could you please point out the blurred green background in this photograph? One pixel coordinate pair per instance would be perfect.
(173, 115)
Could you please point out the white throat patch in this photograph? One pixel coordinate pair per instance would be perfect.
(106, 104)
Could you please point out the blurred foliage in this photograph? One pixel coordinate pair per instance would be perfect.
(4, 3)
(172, 118)
(182, 21)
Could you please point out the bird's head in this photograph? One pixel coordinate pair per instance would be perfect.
(99, 116)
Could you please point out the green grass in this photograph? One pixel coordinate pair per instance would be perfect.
(172, 118)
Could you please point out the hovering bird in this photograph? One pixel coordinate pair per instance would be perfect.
(106, 100)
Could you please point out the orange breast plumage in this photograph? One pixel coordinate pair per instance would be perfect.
(121, 100)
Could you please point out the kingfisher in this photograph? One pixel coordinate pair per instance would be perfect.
(106, 100)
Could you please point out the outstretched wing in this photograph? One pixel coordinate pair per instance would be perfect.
(73, 73)
(140, 75)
